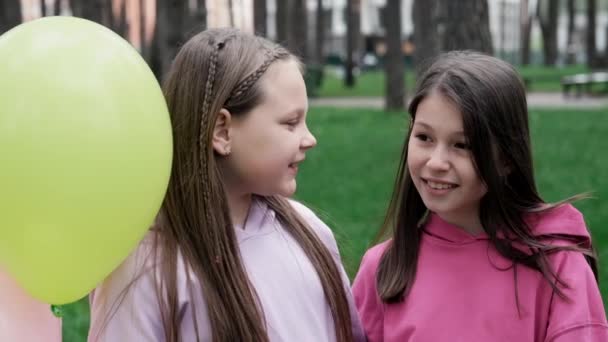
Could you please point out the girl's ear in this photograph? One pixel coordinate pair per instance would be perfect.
(222, 133)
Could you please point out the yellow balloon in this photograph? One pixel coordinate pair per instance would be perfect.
(85, 154)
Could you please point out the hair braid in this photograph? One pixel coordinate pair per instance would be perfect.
(205, 117)
(245, 84)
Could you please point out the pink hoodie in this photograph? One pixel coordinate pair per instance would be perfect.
(465, 291)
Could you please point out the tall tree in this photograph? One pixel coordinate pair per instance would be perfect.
(426, 37)
(591, 49)
(353, 31)
(199, 16)
(319, 33)
(281, 20)
(117, 21)
(42, 8)
(143, 48)
(298, 41)
(394, 68)
(466, 25)
(57, 7)
(168, 34)
(231, 12)
(547, 16)
(570, 54)
(526, 29)
(10, 14)
(94, 10)
(99, 11)
(76, 6)
(259, 17)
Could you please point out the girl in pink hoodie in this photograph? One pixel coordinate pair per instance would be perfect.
(475, 254)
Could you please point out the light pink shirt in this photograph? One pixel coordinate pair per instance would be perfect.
(465, 291)
(285, 281)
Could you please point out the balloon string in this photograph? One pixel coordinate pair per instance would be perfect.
(57, 310)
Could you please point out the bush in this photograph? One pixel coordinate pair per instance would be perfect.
(313, 79)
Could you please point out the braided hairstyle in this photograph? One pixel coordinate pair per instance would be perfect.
(220, 68)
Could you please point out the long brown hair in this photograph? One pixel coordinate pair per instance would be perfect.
(219, 68)
(492, 99)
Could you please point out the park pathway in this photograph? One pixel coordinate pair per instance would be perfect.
(535, 100)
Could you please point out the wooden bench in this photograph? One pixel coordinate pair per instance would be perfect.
(583, 82)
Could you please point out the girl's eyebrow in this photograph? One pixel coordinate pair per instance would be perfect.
(429, 127)
(423, 124)
(299, 112)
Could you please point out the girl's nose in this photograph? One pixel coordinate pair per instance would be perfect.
(309, 140)
(439, 159)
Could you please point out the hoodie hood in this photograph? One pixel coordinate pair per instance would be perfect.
(562, 223)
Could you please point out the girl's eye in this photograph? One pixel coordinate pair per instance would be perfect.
(422, 137)
(462, 146)
(291, 125)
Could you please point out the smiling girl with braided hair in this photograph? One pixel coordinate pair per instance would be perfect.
(230, 257)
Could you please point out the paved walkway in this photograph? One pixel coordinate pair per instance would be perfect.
(535, 100)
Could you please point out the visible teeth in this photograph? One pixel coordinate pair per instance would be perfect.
(440, 186)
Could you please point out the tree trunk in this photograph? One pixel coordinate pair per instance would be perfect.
(526, 29)
(169, 33)
(99, 11)
(42, 8)
(319, 33)
(173, 22)
(590, 41)
(298, 42)
(353, 13)
(120, 24)
(259, 17)
(426, 37)
(93, 10)
(10, 14)
(465, 26)
(231, 12)
(197, 19)
(281, 16)
(570, 53)
(395, 83)
(76, 8)
(143, 47)
(547, 15)
(57, 7)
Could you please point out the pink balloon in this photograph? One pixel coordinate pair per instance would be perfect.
(23, 318)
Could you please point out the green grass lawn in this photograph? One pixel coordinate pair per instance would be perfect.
(348, 178)
(367, 84)
(371, 83)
